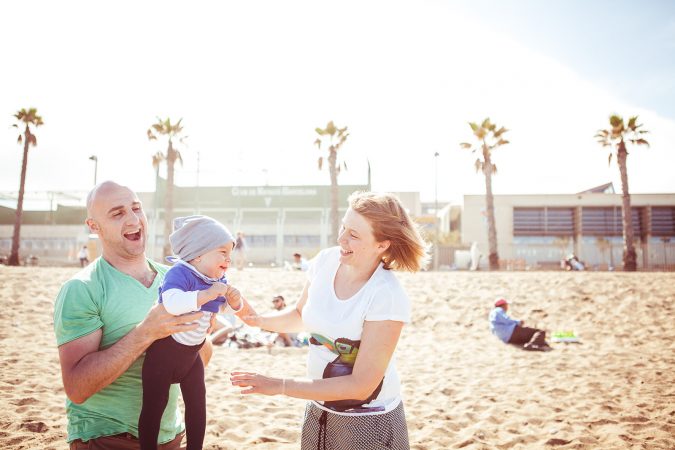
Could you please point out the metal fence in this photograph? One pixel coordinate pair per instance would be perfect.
(650, 257)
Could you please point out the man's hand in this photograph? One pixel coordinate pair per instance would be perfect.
(212, 324)
(86, 369)
(159, 323)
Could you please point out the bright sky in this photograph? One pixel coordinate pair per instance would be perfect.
(252, 80)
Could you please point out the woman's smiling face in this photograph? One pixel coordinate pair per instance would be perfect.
(357, 241)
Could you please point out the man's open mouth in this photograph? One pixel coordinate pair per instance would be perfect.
(133, 236)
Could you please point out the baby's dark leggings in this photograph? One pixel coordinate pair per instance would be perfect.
(168, 362)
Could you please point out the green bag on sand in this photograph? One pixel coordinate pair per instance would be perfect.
(565, 336)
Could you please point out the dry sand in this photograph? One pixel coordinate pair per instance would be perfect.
(462, 387)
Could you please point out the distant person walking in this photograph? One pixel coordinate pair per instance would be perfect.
(83, 255)
(240, 251)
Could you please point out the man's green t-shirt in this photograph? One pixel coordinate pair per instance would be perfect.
(101, 296)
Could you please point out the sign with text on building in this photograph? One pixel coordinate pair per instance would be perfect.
(260, 196)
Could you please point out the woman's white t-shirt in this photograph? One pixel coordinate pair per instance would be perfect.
(381, 298)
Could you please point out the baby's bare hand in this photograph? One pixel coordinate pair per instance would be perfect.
(233, 297)
(219, 289)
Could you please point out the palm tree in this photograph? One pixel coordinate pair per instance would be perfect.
(335, 137)
(617, 136)
(171, 131)
(26, 119)
(489, 137)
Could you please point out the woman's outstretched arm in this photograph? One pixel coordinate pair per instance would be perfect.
(378, 342)
(288, 320)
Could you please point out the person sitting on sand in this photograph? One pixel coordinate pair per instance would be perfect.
(286, 339)
(513, 331)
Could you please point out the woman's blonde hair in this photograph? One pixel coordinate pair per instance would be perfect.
(390, 222)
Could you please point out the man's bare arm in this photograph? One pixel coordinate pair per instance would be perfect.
(86, 369)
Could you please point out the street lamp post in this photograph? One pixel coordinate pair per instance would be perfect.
(436, 224)
(95, 159)
(197, 189)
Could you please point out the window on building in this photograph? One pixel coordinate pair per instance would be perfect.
(261, 240)
(607, 221)
(543, 221)
(302, 241)
(663, 221)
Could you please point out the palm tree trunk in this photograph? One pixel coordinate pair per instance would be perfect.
(490, 206)
(168, 203)
(629, 255)
(334, 219)
(16, 236)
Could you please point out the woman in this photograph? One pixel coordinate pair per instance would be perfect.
(354, 308)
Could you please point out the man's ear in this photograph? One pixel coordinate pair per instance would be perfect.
(93, 226)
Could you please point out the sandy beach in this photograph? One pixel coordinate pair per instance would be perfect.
(462, 387)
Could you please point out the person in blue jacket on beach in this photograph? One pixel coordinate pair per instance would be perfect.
(512, 331)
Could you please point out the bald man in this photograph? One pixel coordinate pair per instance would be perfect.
(104, 319)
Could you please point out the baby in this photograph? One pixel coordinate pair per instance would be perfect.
(202, 247)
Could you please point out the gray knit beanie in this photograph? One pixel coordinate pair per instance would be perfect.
(195, 235)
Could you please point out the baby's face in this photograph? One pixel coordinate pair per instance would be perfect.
(215, 263)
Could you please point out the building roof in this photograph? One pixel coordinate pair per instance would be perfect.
(607, 188)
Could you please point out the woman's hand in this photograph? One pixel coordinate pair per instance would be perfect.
(257, 384)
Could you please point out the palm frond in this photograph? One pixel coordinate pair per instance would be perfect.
(499, 132)
(631, 122)
(616, 121)
(330, 128)
(639, 142)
